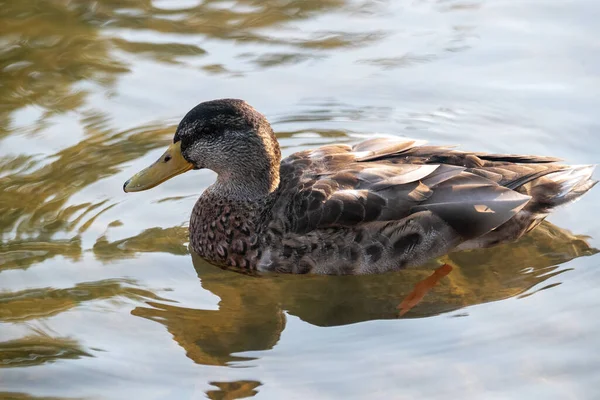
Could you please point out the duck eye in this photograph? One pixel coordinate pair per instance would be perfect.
(167, 158)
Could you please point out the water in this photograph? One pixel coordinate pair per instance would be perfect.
(99, 296)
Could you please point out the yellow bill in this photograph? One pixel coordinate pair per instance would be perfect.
(171, 163)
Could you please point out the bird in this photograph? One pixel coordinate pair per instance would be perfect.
(383, 204)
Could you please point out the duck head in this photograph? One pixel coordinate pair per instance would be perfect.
(227, 136)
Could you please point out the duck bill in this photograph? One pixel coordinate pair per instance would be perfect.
(170, 164)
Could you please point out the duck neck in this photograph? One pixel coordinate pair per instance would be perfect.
(246, 185)
(251, 175)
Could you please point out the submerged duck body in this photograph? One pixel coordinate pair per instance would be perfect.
(380, 205)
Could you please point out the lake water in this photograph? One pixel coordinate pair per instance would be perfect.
(99, 296)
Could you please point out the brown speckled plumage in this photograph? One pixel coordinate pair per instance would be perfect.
(226, 232)
(383, 204)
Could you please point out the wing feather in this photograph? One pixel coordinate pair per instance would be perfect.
(389, 179)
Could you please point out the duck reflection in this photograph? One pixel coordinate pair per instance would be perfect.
(233, 390)
(251, 314)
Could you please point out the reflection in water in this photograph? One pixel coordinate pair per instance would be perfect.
(35, 199)
(233, 390)
(48, 47)
(25, 396)
(38, 303)
(251, 314)
(168, 240)
(248, 318)
(38, 349)
(422, 288)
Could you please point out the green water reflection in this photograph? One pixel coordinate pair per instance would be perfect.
(24, 396)
(35, 197)
(37, 303)
(49, 47)
(37, 350)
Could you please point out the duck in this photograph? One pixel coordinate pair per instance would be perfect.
(383, 204)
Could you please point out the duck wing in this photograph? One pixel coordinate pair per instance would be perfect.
(387, 180)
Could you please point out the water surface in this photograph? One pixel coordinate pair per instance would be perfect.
(99, 296)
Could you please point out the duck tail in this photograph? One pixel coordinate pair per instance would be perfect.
(547, 192)
(553, 190)
(567, 185)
